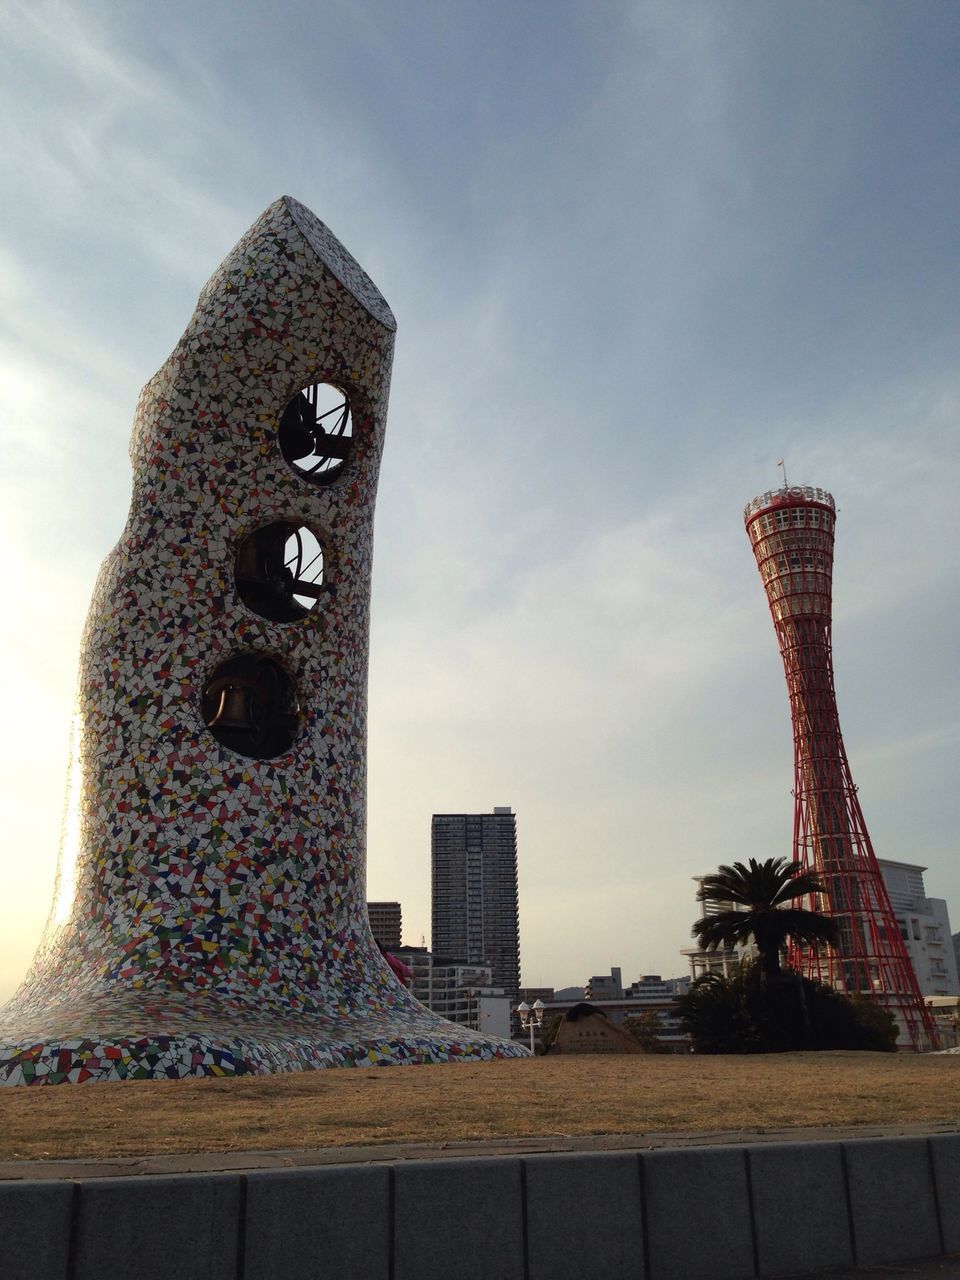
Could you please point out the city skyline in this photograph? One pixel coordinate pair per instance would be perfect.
(636, 258)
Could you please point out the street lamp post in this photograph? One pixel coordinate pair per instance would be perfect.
(531, 1017)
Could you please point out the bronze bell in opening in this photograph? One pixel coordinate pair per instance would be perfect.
(235, 710)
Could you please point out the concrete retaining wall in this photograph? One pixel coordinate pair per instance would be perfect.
(719, 1213)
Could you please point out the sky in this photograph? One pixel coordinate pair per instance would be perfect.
(638, 253)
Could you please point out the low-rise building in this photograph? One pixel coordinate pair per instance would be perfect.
(650, 993)
(652, 987)
(533, 994)
(463, 993)
(945, 1011)
(602, 987)
(386, 924)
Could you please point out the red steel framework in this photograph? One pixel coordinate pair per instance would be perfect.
(791, 531)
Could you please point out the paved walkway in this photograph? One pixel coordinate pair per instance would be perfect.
(222, 1161)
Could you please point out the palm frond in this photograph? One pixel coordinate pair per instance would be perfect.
(798, 886)
(756, 883)
(806, 926)
(724, 929)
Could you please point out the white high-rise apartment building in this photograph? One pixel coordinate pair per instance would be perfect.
(924, 926)
(722, 961)
(475, 916)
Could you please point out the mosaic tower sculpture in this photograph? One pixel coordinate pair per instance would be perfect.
(210, 910)
(792, 532)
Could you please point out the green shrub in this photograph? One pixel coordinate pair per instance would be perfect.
(744, 1014)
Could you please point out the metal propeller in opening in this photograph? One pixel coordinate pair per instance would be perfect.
(280, 571)
(316, 432)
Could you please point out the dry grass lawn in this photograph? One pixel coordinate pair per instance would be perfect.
(461, 1102)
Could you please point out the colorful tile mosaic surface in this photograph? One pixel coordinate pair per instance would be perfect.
(209, 916)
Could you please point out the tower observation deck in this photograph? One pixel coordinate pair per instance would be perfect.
(791, 531)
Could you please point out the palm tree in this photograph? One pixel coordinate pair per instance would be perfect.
(762, 890)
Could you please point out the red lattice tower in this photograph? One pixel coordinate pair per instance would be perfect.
(791, 531)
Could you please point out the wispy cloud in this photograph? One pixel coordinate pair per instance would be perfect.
(636, 258)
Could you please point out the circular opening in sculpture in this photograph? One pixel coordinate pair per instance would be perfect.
(250, 706)
(316, 432)
(279, 571)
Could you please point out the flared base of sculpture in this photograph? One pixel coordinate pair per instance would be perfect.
(209, 916)
(133, 1040)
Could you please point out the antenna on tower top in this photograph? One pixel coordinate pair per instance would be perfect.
(783, 468)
